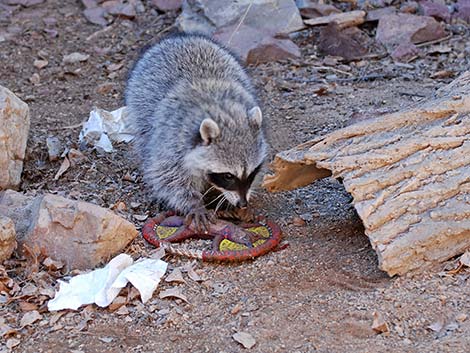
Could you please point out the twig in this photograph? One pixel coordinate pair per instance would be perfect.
(436, 41)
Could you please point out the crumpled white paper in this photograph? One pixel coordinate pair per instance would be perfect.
(102, 285)
(103, 126)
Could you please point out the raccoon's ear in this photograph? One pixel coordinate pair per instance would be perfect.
(209, 130)
(255, 116)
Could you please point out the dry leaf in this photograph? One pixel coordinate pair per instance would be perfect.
(465, 259)
(114, 67)
(40, 64)
(175, 292)
(63, 168)
(461, 317)
(52, 264)
(56, 317)
(12, 342)
(436, 326)
(117, 303)
(26, 306)
(245, 339)
(175, 276)
(75, 58)
(123, 310)
(379, 325)
(30, 318)
(236, 309)
(194, 275)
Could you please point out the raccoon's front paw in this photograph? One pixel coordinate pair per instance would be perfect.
(200, 219)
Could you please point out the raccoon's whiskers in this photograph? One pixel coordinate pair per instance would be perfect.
(208, 191)
(220, 203)
(215, 199)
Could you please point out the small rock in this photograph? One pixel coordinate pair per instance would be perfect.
(255, 47)
(14, 129)
(394, 30)
(54, 148)
(25, 3)
(175, 276)
(7, 238)
(75, 58)
(298, 222)
(377, 14)
(245, 339)
(122, 10)
(434, 9)
(79, 234)
(379, 325)
(40, 64)
(35, 79)
(405, 52)
(167, 5)
(409, 7)
(313, 9)
(96, 16)
(347, 43)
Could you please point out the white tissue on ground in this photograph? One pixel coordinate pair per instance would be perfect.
(102, 285)
(103, 127)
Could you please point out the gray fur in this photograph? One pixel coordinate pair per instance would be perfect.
(173, 87)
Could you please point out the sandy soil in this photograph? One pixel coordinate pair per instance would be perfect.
(319, 294)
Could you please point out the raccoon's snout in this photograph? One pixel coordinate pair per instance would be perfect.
(243, 202)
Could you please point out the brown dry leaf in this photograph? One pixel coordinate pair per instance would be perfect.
(55, 317)
(75, 156)
(52, 264)
(436, 326)
(63, 168)
(465, 259)
(29, 290)
(40, 64)
(245, 339)
(194, 275)
(443, 74)
(379, 325)
(236, 309)
(26, 306)
(175, 276)
(123, 310)
(114, 67)
(175, 292)
(12, 343)
(461, 317)
(117, 303)
(30, 318)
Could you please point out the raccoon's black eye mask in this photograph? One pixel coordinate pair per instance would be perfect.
(230, 182)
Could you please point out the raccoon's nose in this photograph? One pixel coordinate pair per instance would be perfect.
(242, 203)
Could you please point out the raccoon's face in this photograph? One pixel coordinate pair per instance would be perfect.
(235, 189)
(230, 156)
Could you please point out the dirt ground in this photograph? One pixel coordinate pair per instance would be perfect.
(317, 295)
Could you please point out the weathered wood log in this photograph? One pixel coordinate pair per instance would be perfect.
(343, 19)
(409, 175)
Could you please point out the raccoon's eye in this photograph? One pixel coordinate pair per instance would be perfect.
(228, 176)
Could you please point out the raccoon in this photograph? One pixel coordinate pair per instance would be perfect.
(197, 123)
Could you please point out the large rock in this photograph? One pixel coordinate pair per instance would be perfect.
(167, 5)
(397, 29)
(255, 46)
(79, 234)
(408, 173)
(7, 237)
(313, 9)
(273, 16)
(14, 128)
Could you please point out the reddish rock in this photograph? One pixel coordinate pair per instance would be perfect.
(349, 43)
(409, 7)
(167, 5)
(79, 234)
(463, 10)
(435, 9)
(254, 46)
(7, 237)
(14, 129)
(405, 52)
(402, 28)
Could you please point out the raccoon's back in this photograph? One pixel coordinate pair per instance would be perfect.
(173, 60)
